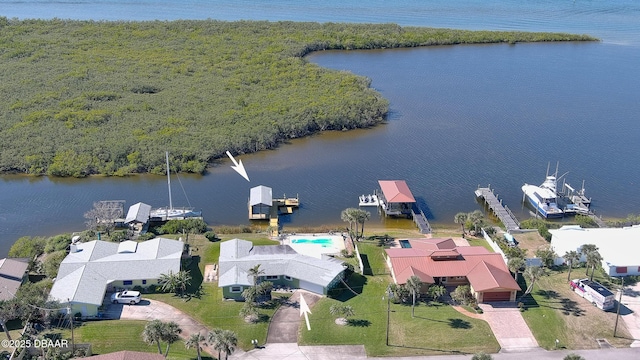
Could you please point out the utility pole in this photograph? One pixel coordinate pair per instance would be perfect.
(388, 311)
(615, 328)
(73, 344)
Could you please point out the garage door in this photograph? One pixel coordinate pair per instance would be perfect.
(318, 289)
(496, 296)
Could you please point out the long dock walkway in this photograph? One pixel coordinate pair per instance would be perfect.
(502, 211)
(421, 220)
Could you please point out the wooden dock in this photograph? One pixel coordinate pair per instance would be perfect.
(501, 211)
(421, 220)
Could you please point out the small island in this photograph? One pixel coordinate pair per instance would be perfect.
(85, 97)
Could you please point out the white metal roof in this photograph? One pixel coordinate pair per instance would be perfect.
(618, 246)
(261, 195)
(138, 213)
(238, 256)
(84, 275)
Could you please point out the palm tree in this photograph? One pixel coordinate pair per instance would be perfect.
(436, 291)
(168, 282)
(461, 218)
(255, 273)
(571, 257)
(585, 250)
(348, 215)
(481, 356)
(477, 218)
(152, 333)
(413, 284)
(361, 216)
(593, 259)
(342, 311)
(573, 356)
(214, 338)
(515, 264)
(532, 273)
(194, 342)
(169, 334)
(183, 280)
(229, 342)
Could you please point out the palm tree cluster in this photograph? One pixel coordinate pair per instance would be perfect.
(473, 220)
(571, 257)
(175, 282)
(157, 331)
(342, 312)
(223, 341)
(355, 216)
(253, 294)
(590, 251)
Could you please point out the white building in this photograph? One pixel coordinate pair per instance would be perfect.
(619, 247)
(93, 268)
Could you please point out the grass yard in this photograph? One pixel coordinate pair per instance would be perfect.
(116, 335)
(531, 241)
(559, 313)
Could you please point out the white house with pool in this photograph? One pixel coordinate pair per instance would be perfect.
(282, 265)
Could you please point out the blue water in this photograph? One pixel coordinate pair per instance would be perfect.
(320, 241)
(460, 116)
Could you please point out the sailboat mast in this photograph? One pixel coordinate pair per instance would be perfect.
(166, 153)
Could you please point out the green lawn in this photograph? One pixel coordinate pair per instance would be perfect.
(434, 330)
(116, 335)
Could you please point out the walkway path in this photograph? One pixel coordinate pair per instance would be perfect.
(286, 320)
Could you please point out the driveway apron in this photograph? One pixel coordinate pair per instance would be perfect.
(509, 327)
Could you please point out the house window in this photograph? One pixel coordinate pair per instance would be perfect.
(236, 289)
(144, 282)
(272, 277)
(127, 282)
(621, 269)
(288, 278)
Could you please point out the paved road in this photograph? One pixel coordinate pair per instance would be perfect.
(631, 315)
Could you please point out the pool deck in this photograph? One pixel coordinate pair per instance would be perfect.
(315, 250)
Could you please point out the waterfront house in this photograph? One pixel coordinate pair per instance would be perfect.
(13, 273)
(281, 265)
(94, 268)
(440, 261)
(619, 247)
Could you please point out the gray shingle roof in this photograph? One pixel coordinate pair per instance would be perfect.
(84, 275)
(238, 256)
(11, 273)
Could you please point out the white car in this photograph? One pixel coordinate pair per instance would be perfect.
(126, 297)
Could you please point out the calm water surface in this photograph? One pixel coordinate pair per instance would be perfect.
(460, 116)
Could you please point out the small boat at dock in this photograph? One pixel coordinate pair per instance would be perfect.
(368, 200)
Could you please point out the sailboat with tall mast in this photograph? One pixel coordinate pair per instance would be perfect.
(171, 213)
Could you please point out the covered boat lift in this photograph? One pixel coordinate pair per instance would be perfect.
(260, 202)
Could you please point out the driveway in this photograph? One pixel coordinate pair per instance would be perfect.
(509, 327)
(286, 321)
(148, 310)
(631, 317)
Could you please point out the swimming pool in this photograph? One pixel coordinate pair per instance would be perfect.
(315, 245)
(324, 242)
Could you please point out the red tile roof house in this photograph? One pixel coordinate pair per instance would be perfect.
(440, 261)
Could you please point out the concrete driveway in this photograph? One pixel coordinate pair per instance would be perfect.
(286, 321)
(631, 317)
(148, 310)
(509, 327)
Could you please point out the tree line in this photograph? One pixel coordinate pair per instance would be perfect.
(93, 97)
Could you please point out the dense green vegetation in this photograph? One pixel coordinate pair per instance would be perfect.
(85, 97)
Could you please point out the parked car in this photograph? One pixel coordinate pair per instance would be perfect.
(126, 297)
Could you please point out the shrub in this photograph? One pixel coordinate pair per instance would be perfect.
(146, 236)
(52, 263)
(59, 242)
(462, 295)
(211, 236)
(27, 247)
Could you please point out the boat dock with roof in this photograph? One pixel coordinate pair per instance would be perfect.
(500, 210)
(395, 199)
(262, 206)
